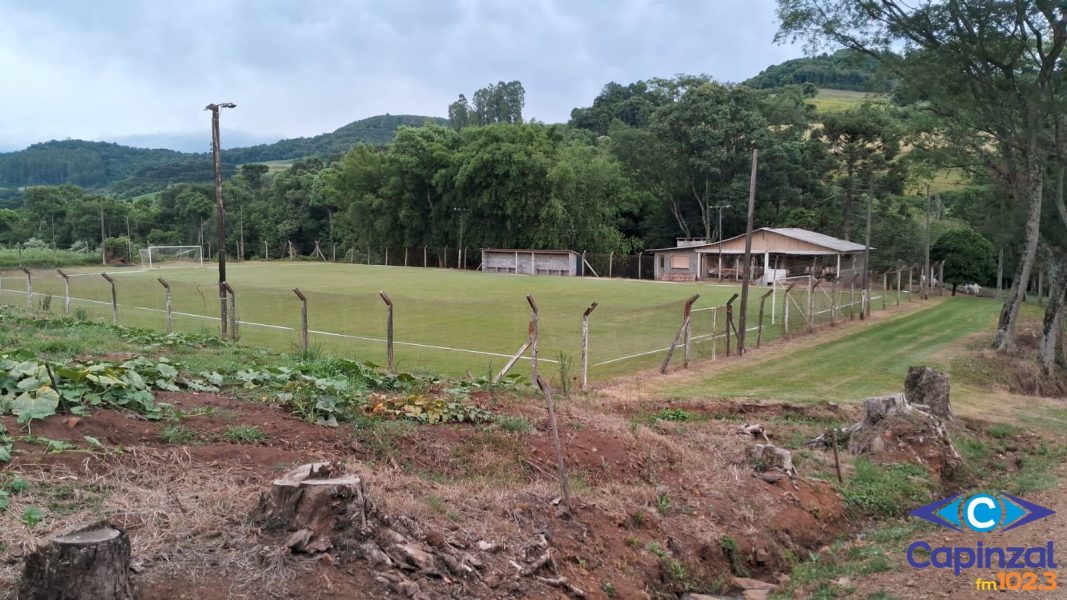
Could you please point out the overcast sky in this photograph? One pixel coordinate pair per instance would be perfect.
(140, 71)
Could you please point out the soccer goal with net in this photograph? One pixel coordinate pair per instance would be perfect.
(172, 256)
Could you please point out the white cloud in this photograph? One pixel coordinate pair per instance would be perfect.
(144, 69)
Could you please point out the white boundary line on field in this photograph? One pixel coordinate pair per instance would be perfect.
(287, 328)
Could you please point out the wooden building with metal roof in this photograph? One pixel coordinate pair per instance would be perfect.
(777, 252)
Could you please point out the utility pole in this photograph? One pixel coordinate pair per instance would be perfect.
(103, 250)
(926, 267)
(748, 257)
(129, 240)
(865, 306)
(216, 151)
(720, 209)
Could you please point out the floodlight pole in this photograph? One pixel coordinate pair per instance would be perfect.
(216, 151)
(720, 208)
(925, 282)
(748, 257)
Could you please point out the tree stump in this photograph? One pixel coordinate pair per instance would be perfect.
(897, 430)
(929, 388)
(89, 562)
(320, 504)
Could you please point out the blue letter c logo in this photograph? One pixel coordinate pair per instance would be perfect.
(982, 513)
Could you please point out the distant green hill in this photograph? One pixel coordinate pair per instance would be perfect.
(373, 130)
(842, 70)
(133, 171)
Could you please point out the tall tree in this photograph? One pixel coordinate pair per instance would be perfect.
(459, 113)
(991, 68)
(864, 140)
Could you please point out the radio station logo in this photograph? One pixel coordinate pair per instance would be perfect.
(987, 515)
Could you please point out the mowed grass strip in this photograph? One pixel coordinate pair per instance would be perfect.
(435, 307)
(869, 362)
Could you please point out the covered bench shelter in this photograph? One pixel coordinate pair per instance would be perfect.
(777, 252)
(531, 262)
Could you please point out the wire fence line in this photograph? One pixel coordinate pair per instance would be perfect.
(621, 340)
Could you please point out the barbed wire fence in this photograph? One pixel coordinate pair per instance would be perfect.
(377, 327)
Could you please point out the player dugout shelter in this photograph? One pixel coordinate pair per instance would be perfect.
(531, 262)
(777, 252)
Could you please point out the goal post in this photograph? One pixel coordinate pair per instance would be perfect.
(159, 257)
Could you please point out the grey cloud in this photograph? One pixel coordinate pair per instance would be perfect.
(112, 70)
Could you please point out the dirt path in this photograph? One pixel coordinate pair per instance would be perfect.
(908, 583)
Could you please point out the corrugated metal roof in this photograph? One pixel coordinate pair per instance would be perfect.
(818, 239)
(811, 237)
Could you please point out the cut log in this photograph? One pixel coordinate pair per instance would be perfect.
(319, 503)
(88, 562)
(930, 389)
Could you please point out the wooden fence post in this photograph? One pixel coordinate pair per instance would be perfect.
(833, 302)
(66, 291)
(234, 334)
(811, 302)
(585, 345)
(535, 321)
(729, 320)
(424, 255)
(687, 313)
(910, 275)
(29, 288)
(714, 323)
(561, 467)
(837, 459)
(785, 313)
(303, 319)
(167, 302)
(762, 302)
(388, 330)
(114, 299)
(852, 297)
(899, 271)
(611, 261)
(885, 287)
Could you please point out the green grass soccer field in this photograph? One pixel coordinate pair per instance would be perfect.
(446, 321)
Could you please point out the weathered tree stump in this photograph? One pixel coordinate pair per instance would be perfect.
(89, 562)
(896, 429)
(929, 388)
(319, 503)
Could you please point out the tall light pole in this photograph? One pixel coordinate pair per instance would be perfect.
(747, 267)
(216, 150)
(720, 209)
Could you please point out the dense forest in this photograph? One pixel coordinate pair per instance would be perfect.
(842, 70)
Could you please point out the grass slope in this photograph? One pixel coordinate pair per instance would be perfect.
(837, 100)
(869, 362)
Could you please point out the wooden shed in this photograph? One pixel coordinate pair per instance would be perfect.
(531, 262)
(776, 252)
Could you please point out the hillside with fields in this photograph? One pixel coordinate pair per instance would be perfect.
(132, 171)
